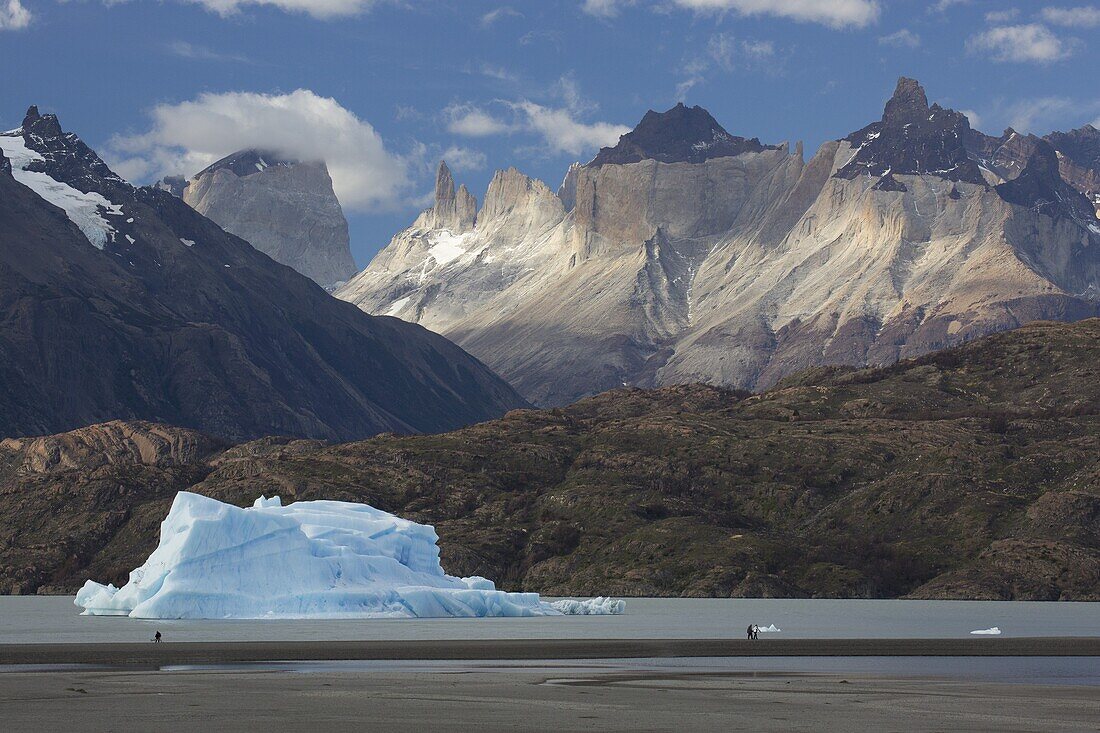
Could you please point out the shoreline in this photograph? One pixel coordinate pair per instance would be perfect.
(147, 654)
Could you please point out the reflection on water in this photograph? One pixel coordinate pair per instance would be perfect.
(37, 619)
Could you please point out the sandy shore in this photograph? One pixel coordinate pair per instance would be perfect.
(531, 699)
(148, 655)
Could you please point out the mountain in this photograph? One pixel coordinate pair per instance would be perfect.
(686, 254)
(680, 135)
(284, 208)
(969, 473)
(1079, 160)
(125, 303)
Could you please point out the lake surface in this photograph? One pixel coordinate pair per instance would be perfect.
(44, 619)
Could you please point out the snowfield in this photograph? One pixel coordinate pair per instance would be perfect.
(310, 559)
(83, 209)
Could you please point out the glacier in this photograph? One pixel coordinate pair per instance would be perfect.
(309, 559)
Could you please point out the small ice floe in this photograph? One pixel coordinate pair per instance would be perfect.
(589, 607)
(993, 631)
(772, 629)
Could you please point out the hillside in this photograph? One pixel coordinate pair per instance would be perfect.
(125, 303)
(970, 473)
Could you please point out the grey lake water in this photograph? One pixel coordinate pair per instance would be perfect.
(42, 619)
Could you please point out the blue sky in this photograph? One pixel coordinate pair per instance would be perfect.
(381, 89)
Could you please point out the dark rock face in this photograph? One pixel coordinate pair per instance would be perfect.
(682, 134)
(1041, 188)
(175, 185)
(1079, 160)
(913, 138)
(969, 473)
(177, 321)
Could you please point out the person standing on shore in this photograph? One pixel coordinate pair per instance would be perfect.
(755, 632)
(156, 638)
(750, 632)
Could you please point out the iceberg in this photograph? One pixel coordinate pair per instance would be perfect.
(773, 629)
(309, 559)
(993, 631)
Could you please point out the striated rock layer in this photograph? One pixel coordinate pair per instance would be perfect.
(688, 254)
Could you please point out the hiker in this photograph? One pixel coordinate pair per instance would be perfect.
(156, 638)
(750, 633)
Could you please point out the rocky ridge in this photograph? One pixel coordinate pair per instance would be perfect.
(909, 235)
(125, 303)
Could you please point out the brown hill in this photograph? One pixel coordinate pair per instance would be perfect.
(971, 473)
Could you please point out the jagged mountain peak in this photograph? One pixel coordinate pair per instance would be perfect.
(913, 138)
(248, 162)
(681, 134)
(909, 101)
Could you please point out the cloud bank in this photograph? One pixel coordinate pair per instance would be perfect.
(1022, 43)
(186, 137)
(832, 13)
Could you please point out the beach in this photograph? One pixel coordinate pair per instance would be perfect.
(558, 696)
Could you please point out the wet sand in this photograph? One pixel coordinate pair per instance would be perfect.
(148, 655)
(469, 698)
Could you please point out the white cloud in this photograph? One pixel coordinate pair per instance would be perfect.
(941, 6)
(562, 133)
(904, 38)
(499, 13)
(559, 126)
(1082, 17)
(13, 16)
(461, 159)
(323, 9)
(604, 8)
(188, 136)
(974, 118)
(833, 13)
(1022, 43)
(472, 121)
(1001, 16)
(186, 50)
(725, 52)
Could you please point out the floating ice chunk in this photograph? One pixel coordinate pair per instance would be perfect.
(590, 607)
(772, 629)
(993, 631)
(188, 242)
(86, 210)
(310, 559)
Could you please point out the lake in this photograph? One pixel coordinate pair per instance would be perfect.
(42, 619)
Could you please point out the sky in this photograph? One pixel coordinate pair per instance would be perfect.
(382, 89)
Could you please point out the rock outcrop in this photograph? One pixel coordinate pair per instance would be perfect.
(125, 303)
(285, 208)
(665, 261)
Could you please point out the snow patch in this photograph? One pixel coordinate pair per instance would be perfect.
(83, 209)
(992, 631)
(310, 559)
(446, 246)
(398, 305)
